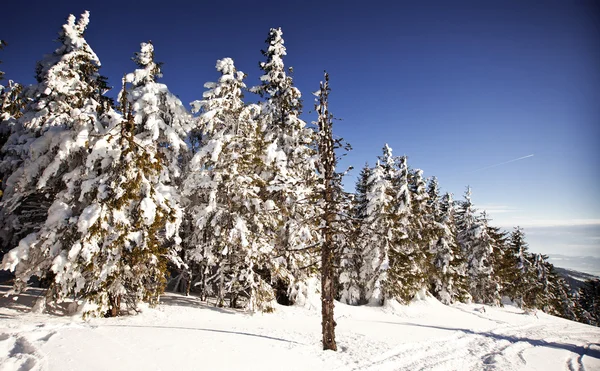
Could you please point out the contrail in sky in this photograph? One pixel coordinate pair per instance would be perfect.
(503, 163)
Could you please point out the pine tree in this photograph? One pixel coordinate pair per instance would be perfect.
(229, 241)
(380, 230)
(562, 302)
(589, 302)
(11, 105)
(160, 117)
(479, 252)
(48, 148)
(409, 258)
(515, 268)
(353, 288)
(112, 230)
(538, 291)
(47, 140)
(288, 170)
(447, 277)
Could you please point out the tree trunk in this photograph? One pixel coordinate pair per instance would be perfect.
(328, 160)
(221, 295)
(327, 291)
(115, 306)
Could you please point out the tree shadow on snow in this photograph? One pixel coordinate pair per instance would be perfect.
(207, 330)
(577, 349)
(176, 300)
(22, 302)
(25, 301)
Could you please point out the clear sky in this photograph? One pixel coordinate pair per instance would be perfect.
(457, 86)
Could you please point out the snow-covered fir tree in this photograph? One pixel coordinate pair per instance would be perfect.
(589, 302)
(563, 302)
(447, 278)
(11, 106)
(409, 259)
(46, 141)
(288, 168)
(515, 272)
(538, 289)
(478, 249)
(379, 234)
(47, 149)
(384, 225)
(231, 240)
(352, 289)
(112, 230)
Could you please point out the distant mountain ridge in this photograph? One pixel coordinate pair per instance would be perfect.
(575, 279)
(585, 264)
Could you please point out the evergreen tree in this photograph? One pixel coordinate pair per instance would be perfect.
(288, 170)
(48, 145)
(409, 258)
(11, 105)
(589, 302)
(478, 248)
(48, 140)
(562, 301)
(515, 268)
(230, 241)
(112, 230)
(353, 288)
(381, 228)
(538, 292)
(447, 276)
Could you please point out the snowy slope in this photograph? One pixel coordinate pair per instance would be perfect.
(186, 334)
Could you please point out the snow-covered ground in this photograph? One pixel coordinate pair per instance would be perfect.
(184, 333)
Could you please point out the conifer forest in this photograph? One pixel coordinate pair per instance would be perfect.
(236, 199)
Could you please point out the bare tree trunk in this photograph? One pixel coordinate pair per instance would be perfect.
(327, 287)
(221, 295)
(328, 160)
(115, 305)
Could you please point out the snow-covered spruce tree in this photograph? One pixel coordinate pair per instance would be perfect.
(160, 118)
(447, 279)
(288, 170)
(563, 302)
(478, 249)
(379, 234)
(589, 302)
(114, 228)
(231, 240)
(352, 289)
(409, 258)
(47, 149)
(11, 105)
(538, 291)
(515, 268)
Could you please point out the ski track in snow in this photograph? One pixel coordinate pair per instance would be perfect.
(184, 333)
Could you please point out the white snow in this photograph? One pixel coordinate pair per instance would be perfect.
(184, 333)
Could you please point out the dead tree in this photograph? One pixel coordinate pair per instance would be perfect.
(326, 148)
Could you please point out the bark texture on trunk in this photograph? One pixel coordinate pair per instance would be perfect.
(328, 160)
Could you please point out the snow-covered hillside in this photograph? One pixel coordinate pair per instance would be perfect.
(186, 334)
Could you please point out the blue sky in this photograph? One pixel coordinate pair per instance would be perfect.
(457, 86)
